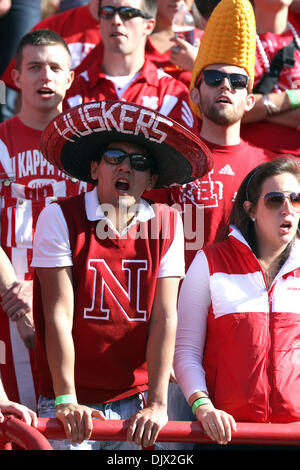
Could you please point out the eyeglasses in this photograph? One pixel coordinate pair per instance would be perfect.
(275, 199)
(126, 13)
(138, 162)
(214, 78)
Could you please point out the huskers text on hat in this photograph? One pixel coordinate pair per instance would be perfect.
(125, 118)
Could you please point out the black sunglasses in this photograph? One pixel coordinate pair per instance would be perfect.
(214, 78)
(275, 199)
(138, 162)
(126, 13)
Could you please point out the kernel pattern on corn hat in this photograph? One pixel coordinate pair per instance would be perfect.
(229, 38)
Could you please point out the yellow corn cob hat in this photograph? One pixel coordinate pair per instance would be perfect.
(229, 38)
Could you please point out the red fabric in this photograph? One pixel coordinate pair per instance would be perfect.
(111, 318)
(22, 198)
(160, 60)
(214, 193)
(150, 89)
(251, 359)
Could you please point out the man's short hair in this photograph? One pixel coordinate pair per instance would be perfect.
(39, 37)
(147, 6)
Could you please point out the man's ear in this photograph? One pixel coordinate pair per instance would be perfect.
(250, 102)
(94, 168)
(152, 182)
(16, 76)
(195, 95)
(150, 25)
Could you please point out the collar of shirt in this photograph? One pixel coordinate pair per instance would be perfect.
(290, 264)
(94, 210)
(148, 73)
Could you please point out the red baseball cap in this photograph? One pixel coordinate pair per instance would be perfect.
(73, 139)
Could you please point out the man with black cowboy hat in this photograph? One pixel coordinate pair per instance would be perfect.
(121, 260)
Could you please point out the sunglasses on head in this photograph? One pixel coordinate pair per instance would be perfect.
(215, 78)
(126, 13)
(276, 199)
(138, 162)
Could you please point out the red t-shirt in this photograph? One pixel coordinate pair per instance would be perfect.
(206, 203)
(152, 88)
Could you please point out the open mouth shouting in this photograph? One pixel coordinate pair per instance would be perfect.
(122, 185)
(45, 91)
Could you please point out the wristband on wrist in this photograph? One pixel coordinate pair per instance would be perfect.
(200, 402)
(294, 98)
(63, 399)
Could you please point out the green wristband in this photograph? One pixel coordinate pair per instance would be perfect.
(63, 399)
(293, 97)
(199, 402)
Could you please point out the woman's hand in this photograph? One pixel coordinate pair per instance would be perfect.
(217, 424)
(25, 414)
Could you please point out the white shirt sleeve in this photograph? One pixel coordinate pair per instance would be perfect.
(51, 246)
(172, 264)
(193, 305)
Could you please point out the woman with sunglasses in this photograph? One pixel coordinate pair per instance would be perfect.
(237, 349)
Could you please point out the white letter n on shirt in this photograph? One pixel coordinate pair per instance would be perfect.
(108, 289)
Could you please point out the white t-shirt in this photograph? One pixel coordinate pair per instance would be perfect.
(51, 246)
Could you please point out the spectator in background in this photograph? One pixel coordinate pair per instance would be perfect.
(124, 73)
(161, 49)
(28, 183)
(274, 121)
(80, 29)
(20, 17)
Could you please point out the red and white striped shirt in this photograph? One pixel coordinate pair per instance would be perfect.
(28, 184)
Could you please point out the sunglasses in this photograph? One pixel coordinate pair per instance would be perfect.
(126, 13)
(214, 78)
(138, 162)
(276, 199)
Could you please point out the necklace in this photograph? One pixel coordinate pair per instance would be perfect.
(262, 52)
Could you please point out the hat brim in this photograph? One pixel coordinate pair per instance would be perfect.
(75, 138)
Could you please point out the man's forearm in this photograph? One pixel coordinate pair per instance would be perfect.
(57, 296)
(7, 272)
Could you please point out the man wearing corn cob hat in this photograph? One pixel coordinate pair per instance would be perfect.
(220, 93)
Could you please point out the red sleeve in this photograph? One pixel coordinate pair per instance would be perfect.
(181, 111)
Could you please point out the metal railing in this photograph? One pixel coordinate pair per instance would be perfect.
(28, 437)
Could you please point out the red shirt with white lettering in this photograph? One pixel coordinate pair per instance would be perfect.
(152, 88)
(28, 183)
(206, 203)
